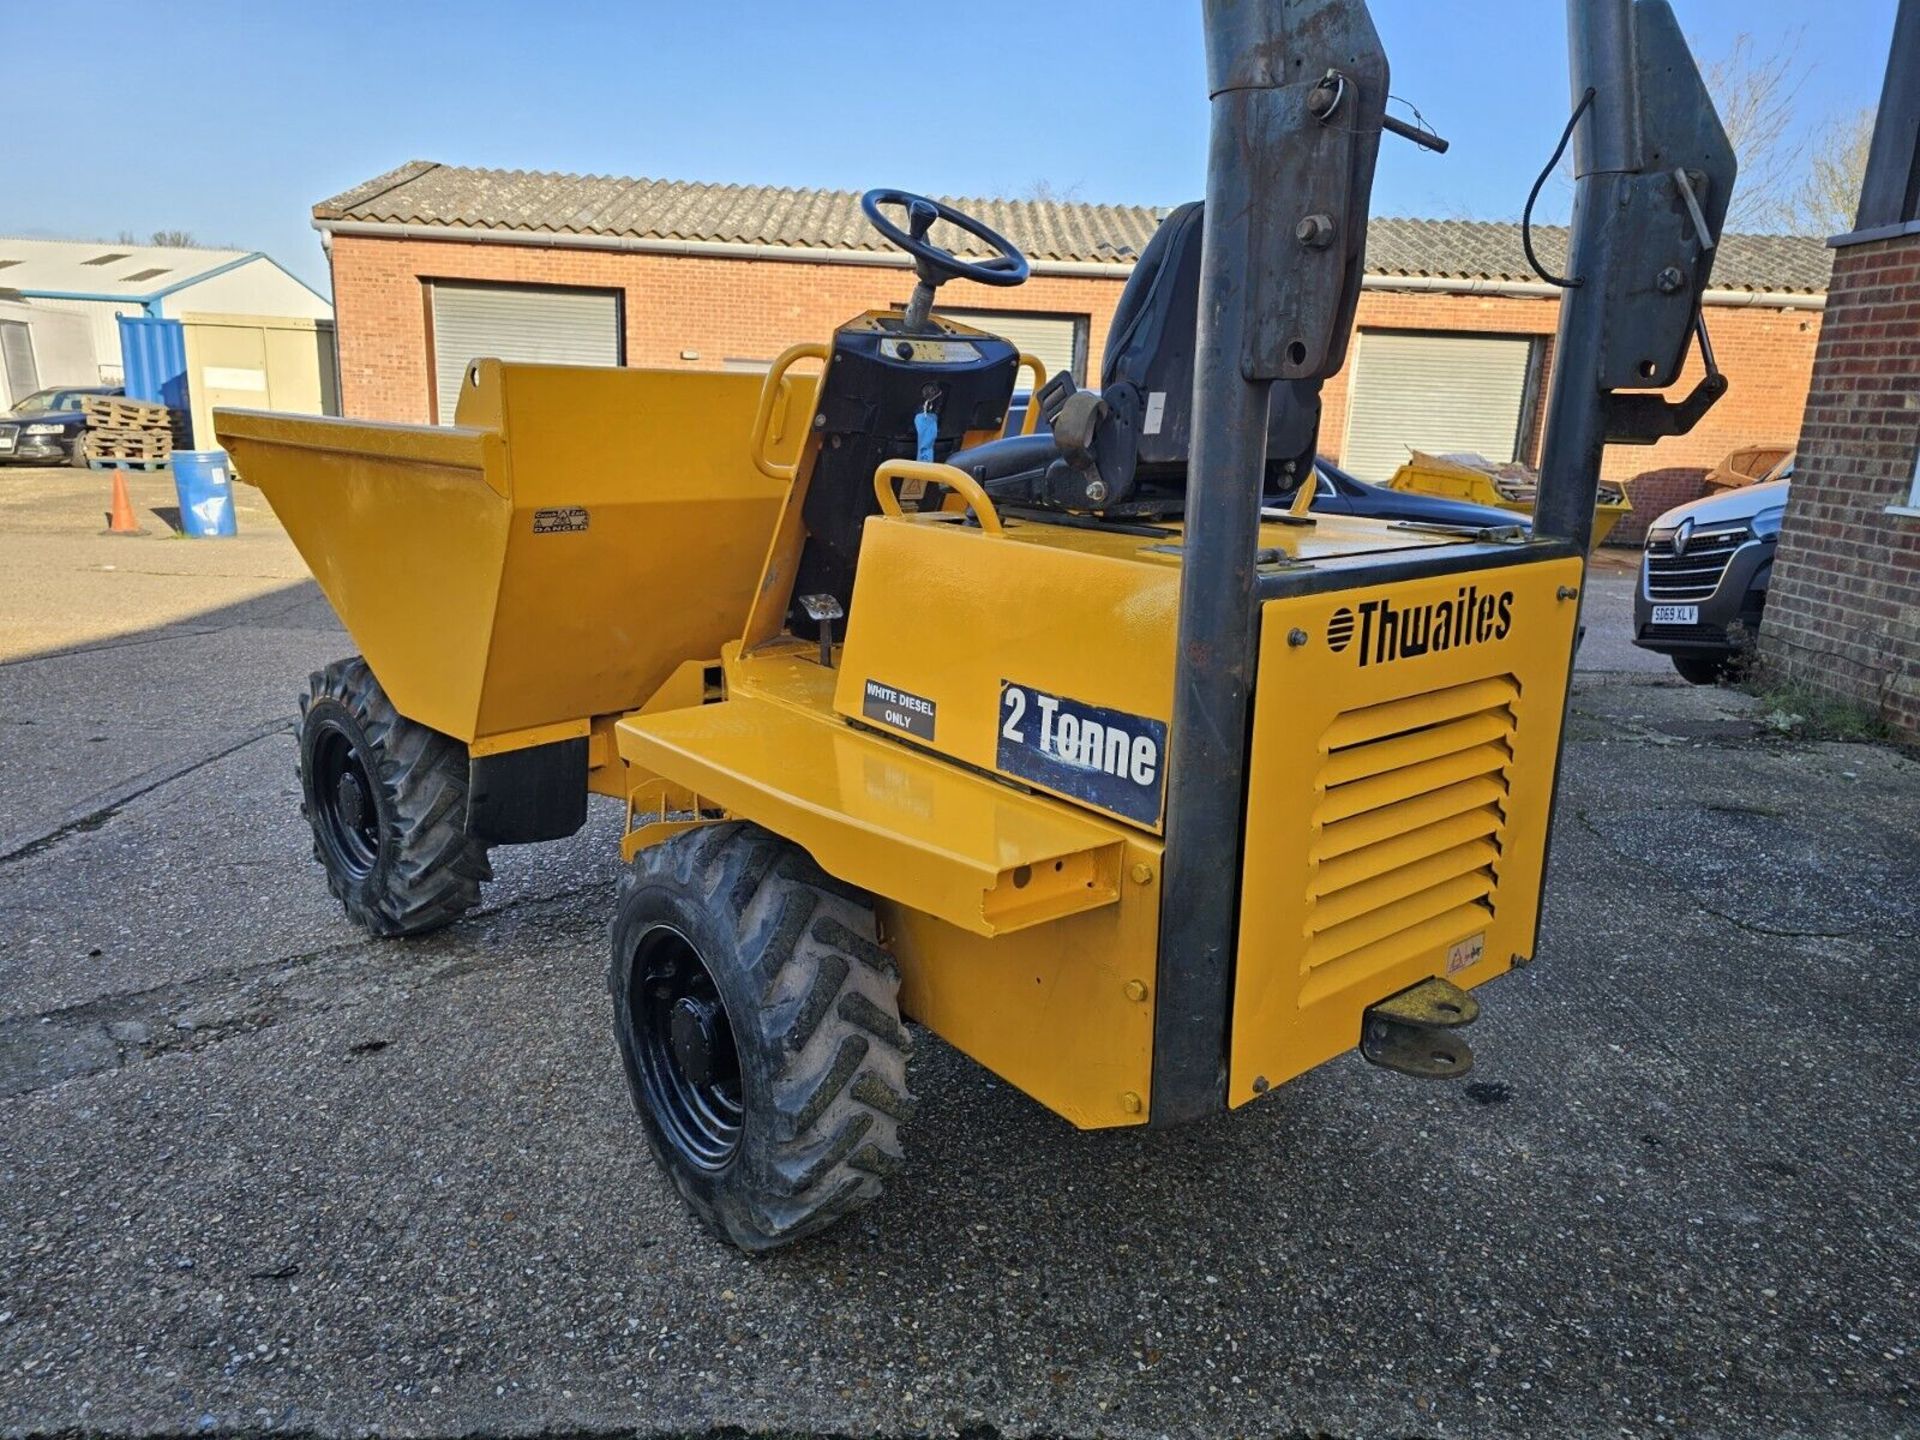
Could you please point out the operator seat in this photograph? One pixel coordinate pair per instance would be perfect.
(1124, 450)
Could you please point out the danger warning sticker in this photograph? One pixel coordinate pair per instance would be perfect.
(1108, 758)
(559, 520)
(1468, 952)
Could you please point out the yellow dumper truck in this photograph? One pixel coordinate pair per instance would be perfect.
(1144, 791)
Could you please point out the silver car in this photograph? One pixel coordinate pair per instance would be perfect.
(1704, 577)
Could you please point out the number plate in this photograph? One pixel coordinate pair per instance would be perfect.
(1676, 614)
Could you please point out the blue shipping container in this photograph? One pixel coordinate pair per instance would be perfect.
(153, 360)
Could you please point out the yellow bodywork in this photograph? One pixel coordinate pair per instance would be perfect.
(1396, 809)
(1027, 924)
(1025, 929)
(1432, 475)
(552, 557)
(609, 555)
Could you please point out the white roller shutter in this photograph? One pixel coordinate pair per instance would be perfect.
(1438, 393)
(19, 376)
(1056, 341)
(506, 322)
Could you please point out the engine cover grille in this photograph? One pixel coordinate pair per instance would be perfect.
(1411, 828)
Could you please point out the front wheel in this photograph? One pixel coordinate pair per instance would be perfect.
(387, 800)
(1701, 669)
(758, 1023)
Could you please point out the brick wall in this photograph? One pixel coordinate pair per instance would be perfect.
(741, 309)
(1843, 613)
(722, 309)
(1766, 354)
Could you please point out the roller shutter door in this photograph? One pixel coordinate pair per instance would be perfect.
(19, 376)
(505, 322)
(1059, 342)
(1438, 393)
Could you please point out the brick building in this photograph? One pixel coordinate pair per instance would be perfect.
(1843, 613)
(433, 265)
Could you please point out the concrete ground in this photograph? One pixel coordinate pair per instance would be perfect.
(258, 1172)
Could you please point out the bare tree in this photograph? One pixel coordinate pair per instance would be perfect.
(1756, 91)
(1829, 197)
(1047, 192)
(173, 239)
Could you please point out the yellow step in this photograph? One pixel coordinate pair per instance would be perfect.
(917, 830)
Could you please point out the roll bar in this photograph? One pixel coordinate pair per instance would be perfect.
(1299, 93)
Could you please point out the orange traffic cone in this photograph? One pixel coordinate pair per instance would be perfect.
(121, 521)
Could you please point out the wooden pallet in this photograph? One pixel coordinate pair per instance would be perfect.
(147, 465)
(126, 444)
(116, 412)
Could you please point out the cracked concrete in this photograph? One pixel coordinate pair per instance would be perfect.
(257, 1172)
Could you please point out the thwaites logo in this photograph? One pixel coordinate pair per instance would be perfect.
(1381, 632)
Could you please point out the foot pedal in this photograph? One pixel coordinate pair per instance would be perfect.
(1417, 1031)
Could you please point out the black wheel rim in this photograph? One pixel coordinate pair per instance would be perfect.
(684, 1048)
(346, 818)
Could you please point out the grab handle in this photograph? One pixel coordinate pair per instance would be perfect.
(1032, 418)
(770, 391)
(951, 476)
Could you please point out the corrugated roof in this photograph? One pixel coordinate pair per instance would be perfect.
(95, 267)
(423, 192)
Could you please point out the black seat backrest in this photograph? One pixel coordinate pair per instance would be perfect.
(1151, 346)
(1136, 435)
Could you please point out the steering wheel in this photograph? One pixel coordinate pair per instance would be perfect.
(933, 264)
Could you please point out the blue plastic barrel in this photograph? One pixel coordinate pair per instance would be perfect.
(206, 492)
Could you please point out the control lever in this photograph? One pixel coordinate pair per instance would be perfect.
(824, 610)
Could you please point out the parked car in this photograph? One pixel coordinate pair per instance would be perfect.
(43, 428)
(1704, 576)
(1749, 465)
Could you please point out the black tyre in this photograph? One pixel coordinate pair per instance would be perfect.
(759, 1024)
(1701, 669)
(387, 800)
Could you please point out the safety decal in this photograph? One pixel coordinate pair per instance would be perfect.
(1107, 758)
(1156, 409)
(899, 709)
(560, 520)
(1467, 953)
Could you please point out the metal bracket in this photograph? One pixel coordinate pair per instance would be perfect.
(1414, 1032)
(1637, 417)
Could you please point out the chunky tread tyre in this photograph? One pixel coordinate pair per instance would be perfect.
(812, 1002)
(427, 870)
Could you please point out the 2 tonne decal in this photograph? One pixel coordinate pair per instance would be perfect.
(1108, 758)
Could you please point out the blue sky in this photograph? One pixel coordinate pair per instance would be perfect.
(231, 119)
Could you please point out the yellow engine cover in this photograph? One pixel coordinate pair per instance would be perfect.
(1404, 744)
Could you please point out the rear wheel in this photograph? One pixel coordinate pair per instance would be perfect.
(387, 800)
(1701, 669)
(759, 1026)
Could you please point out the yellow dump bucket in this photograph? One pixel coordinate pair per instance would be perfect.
(553, 556)
(1431, 475)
